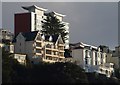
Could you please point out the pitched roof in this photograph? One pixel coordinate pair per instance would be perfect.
(29, 36)
(54, 38)
(33, 6)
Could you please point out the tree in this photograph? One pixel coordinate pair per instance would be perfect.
(52, 26)
(11, 68)
(7, 67)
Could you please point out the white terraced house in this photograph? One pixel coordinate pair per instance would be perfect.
(92, 59)
(38, 47)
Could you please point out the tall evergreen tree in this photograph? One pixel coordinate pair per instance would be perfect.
(52, 26)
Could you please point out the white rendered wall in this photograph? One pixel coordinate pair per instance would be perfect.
(77, 54)
(32, 21)
(20, 44)
(29, 49)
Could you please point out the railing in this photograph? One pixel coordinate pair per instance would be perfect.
(38, 53)
(38, 47)
(38, 41)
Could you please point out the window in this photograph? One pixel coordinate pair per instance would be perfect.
(20, 44)
(60, 59)
(101, 70)
(106, 72)
(20, 50)
(55, 53)
(86, 53)
(61, 48)
(18, 57)
(48, 46)
(38, 51)
(48, 52)
(86, 62)
(96, 54)
(111, 66)
(61, 54)
(38, 44)
(95, 62)
(101, 56)
(35, 21)
(50, 58)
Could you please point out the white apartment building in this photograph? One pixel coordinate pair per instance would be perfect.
(34, 16)
(21, 58)
(38, 47)
(114, 57)
(6, 34)
(6, 40)
(91, 58)
(9, 48)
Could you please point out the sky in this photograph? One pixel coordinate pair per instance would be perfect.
(94, 23)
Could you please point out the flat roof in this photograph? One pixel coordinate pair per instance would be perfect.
(33, 6)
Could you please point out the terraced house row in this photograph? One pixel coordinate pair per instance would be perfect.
(38, 47)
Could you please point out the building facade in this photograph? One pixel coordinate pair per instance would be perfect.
(21, 58)
(31, 21)
(112, 56)
(39, 47)
(6, 40)
(6, 35)
(91, 58)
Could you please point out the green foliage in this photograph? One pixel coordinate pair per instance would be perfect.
(8, 63)
(95, 78)
(52, 26)
(117, 73)
(14, 73)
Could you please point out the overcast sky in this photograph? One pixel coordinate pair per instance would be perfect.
(94, 23)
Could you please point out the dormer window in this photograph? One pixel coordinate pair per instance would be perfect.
(50, 38)
(43, 37)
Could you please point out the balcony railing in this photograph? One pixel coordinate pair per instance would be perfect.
(38, 47)
(61, 44)
(38, 41)
(38, 53)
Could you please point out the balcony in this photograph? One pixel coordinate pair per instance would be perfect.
(48, 48)
(38, 41)
(61, 44)
(61, 51)
(55, 56)
(48, 55)
(38, 47)
(38, 54)
(46, 60)
(61, 57)
(54, 49)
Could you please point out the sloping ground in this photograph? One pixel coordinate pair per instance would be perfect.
(61, 73)
(94, 78)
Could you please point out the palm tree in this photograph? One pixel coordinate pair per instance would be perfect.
(52, 26)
